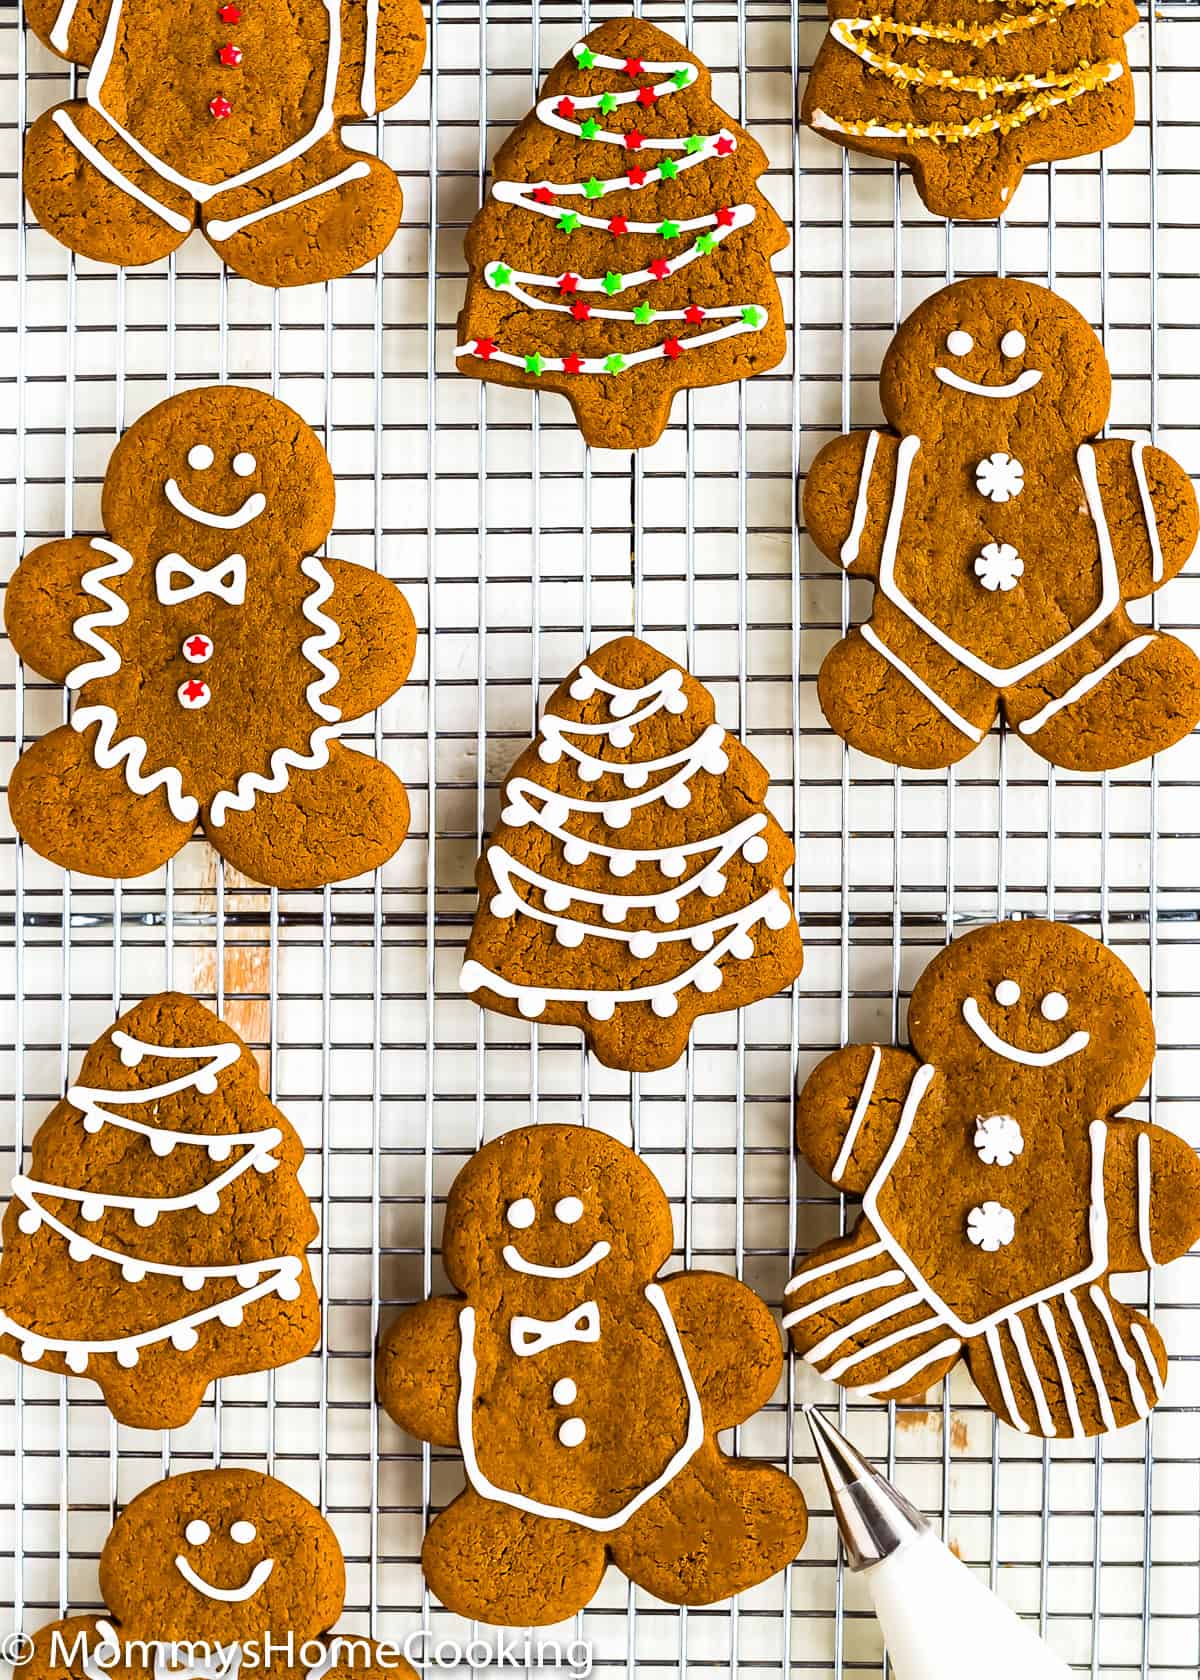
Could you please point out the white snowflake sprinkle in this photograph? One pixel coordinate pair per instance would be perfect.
(991, 1227)
(998, 1139)
(999, 477)
(999, 566)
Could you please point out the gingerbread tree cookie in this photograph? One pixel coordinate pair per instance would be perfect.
(1004, 539)
(624, 252)
(1001, 1192)
(585, 1393)
(214, 657)
(157, 1240)
(971, 93)
(227, 116)
(636, 879)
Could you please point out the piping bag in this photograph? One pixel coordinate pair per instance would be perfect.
(939, 1621)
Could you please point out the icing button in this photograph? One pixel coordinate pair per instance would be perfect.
(196, 649)
(999, 567)
(572, 1432)
(998, 1139)
(999, 477)
(991, 1227)
(193, 694)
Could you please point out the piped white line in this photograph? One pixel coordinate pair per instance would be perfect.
(1015, 388)
(227, 1595)
(250, 509)
(517, 1262)
(1013, 1053)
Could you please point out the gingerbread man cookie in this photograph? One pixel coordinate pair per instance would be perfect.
(1000, 1194)
(227, 115)
(1004, 539)
(215, 659)
(199, 1572)
(584, 1394)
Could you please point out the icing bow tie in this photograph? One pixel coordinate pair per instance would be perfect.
(176, 579)
(535, 1335)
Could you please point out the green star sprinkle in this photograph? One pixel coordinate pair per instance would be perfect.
(705, 243)
(750, 315)
(613, 282)
(593, 189)
(589, 128)
(567, 222)
(643, 314)
(668, 230)
(499, 276)
(584, 57)
(681, 78)
(608, 103)
(534, 364)
(693, 143)
(614, 364)
(668, 169)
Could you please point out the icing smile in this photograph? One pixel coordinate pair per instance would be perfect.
(1015, 387)
(250, 509)
(228, 1595)
(1034, 1058)
(517, 1262)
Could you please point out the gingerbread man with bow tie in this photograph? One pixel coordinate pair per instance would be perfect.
(213, 657)
(584, 1393)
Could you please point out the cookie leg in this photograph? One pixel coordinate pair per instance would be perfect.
(324, 215)
(326, 825)
(504, 1566)
(1122, 695)
(1080, 1364)
(720, 1526)
(96, 196)
(880, 702)
(82, 817)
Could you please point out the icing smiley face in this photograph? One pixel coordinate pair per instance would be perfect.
(1053, 1007)
(568, 1210)
(197, 1534)
(200, 459)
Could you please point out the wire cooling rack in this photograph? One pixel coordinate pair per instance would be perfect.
(518, 548)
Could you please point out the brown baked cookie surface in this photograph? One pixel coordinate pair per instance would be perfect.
(635, 879)
(219, 1561)
(226, 116)
(970, 94)
(624, 250)
(214, 659)
(1003, 537)
(157, 1239)
(1001, 1192)
(585, 1392)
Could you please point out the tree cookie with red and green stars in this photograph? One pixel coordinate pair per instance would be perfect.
(215, 659)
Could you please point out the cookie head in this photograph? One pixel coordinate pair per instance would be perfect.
(996, 358)
(222, 1555)
(219, 471)
(1036, 1002)
(555, 1205)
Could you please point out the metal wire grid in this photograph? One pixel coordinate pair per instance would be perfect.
(518, 547)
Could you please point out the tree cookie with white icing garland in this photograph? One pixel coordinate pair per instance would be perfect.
(585, 1392)
(1001, 1190)
(1004, 539)
(198, 1573)
(970, 93)
(624, 251)
(157, 1238)
(227, 116)
(214, 659)
(635, 879)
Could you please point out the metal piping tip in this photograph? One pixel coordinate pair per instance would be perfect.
(873, 1518)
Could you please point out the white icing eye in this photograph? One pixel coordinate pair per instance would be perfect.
(243, 1533)
(1007, 993)
(1013, 343)
(243, 464)
(1054, 1006)
(197, 1532)
(959, 343)
(522, 1214)
(569, 1210)
(200, 456)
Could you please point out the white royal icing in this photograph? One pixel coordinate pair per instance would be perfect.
(218, 228)
(98, 161)
(1014, 388)
(517, 1262)
(244, 515)
(225, 581)
(257, 1578)
(1084, 685)
(1137, 458)
(964, 727)
(528, 1336)
(1016, 1053)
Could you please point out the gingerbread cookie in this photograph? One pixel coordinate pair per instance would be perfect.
(636, 879)
(215, 659)
(227, 117)
(1004, 539)
(157, 1240)
(624, 251)
(198, 1573)
(1000, 1195)
(969, 94)
(585, 1394)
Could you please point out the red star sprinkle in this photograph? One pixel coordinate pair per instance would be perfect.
(197, 647)
(724, 216)
(229, 14)
(543, 195)
(672, 348)
(572, 364)
(646, 96)
(724, 146)
(633, 67)
(635, 141)
(637, 176)
(220, 106)
(693, 315)
(581, 311)
(565, 107)
(568, 282)
(660, 269)
(618, 224)
(485, 347)
(229, 54)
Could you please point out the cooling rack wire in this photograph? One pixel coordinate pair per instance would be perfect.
(517, 548)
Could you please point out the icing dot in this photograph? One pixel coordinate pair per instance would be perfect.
(133, 1271)
(196, 1532)
(193, 1279)
(196, 649)
(622, 704)
(91, 1209)
(568, 1211)
(200, 457)
(678, 797)
(666, 910)
(1054, 1006)
(219, 1149)
(755, 849)
(621, 736)
(29, 1222)
(712, 883)
(521, 1214)
(676, 701)
(261, 1163)
(515, 815)
(209, 1202)
(470, 977)
(742, 946)
(127, 1357)
(576, 852)
(556, 898)
(615, 816)
(554, 813)
(702, 939)
(550, 751)
(77, 1359)
(531, 1004)
(243, 1532)
(504, 905)
(131, 1054)
(1013, 343)
(93, 1123)
(777, 914)
(707, 980)
(621, 864)
(193, 694)
(1007, 993)
(959, 343)
(564, 1391)
(715, 762)
(636, 776)
(244, 464)
(162, 1145)
(664, 1005)
(569, 934)
(32, 1350)
(231, 1314)
(601, 1008)
(206, 1082)
(643, 945)
(673, 865)
(571, 1432)
(184, 1338)
(582, 688)
(288, 1289)
(614, 909)
(590, 770)
(247, 1276)
(78, 1249)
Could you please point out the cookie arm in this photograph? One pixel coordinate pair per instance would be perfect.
(44, 600)
(417, 1370)
(1151, 511)
(71, 28)
(848, 498)
(383, 49)
(1152, 1196)
(731, 1341)
(378, 638)
(847, 1112)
